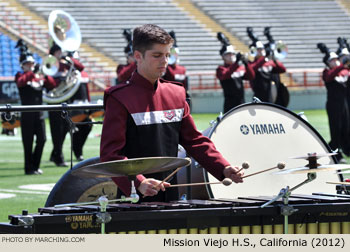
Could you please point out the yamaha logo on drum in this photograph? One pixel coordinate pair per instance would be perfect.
(244, 129)
(261, 129)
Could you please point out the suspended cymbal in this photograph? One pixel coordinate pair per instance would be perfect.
(339, 183)
(314, 155)
(320, 168)
(131, 167)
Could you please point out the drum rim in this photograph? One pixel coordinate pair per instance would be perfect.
(212, 129)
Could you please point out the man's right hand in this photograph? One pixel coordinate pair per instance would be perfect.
(151, 187)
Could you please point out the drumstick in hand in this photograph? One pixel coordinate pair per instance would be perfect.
(171, 174)
(168, 177)
(280, 166)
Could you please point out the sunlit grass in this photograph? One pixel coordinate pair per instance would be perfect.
(12, 170)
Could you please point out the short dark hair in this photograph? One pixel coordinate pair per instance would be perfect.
(145, 36)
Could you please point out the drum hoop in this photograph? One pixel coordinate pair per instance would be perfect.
(205, 173)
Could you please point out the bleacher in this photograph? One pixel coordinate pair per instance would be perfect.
(9, 56)
(301, 24)
(102, 23)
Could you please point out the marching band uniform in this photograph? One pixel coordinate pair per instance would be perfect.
(231, 76)
(32, 123)
(231, 79)
(80, 135)
(177, 73)
(264, 75)
(124, 72)
(153, 125)
(59, 127)
(335, 79)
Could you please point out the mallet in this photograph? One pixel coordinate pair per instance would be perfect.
(280, 165)
(225, 182)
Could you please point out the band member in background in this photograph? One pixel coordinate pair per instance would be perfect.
(124, 72)
(176, 72)
(30, 85)
(82, 131)
(231, 75)
(148, 117)
(336, 77)
(59, 128)
(265, 66)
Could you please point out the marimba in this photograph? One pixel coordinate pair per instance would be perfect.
(316, 213)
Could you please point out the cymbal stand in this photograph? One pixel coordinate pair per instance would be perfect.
(285, 193)
(103, 217)
(133, 195)
(72, 129)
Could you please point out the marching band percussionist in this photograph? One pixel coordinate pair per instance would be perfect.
(335, 77)
(265, 67)
(30, 86)
(231, 76)
(147, 117)
(59, 128)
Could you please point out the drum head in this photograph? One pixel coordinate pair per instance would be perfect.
(263, 135)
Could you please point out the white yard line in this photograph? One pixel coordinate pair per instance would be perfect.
(7, 195)
(38, 187)
(22, 191)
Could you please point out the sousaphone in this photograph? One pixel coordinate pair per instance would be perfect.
(65, 32)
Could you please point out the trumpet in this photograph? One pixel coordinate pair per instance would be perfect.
(278, 50)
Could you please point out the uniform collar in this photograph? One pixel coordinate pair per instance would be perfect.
(141, 81)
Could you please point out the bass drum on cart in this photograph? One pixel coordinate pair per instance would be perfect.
(73, 189)
(263, 134)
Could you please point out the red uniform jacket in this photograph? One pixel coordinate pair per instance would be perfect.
(235, 71)
(336, 80)
(62, 67)
(176, 73)
(146, 120)
(124, 72)
(28, 94)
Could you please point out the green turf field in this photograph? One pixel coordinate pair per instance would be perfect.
(12, 178)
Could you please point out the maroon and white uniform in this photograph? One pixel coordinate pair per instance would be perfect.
(59, 128)
(30, 87)
(124, 72)
(32, 123)
(336, 81)
(264, 75)
(231, 79)
(146, 120)
(176, 73)
(61, 74)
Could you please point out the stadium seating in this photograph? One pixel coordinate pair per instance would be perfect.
(301, 24)
(9, 56)
(102, 24)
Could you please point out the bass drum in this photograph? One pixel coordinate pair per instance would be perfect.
(263, 134)
(73, 189)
